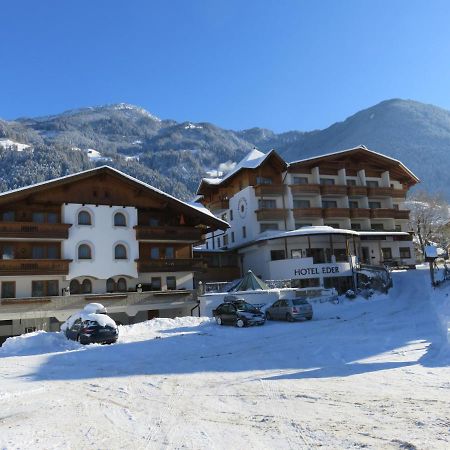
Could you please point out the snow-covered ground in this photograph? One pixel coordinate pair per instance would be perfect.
(363, 374)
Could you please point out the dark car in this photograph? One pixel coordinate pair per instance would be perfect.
(290, 310)
(91, 326)
(238, 313)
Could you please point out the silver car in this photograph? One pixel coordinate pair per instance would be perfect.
(290, 310)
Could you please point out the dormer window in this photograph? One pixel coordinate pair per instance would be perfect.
(84, 218)
(120, 220)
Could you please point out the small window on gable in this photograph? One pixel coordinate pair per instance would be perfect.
(120, 220)
(84, 218)
(120, 252)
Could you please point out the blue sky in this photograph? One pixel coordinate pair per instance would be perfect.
(282, 64)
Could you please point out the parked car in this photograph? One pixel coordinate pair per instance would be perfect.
(290, 310)
(236, 311)
(91, 325)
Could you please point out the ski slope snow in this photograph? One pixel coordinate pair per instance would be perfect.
(363, 374)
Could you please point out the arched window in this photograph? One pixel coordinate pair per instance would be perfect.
(110, 285)
(122, 285)
(84, 218)
(86, 286)
(84, 252)
(74, 287)
(120, 252)
(120, 220)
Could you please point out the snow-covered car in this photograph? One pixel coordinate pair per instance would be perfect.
(91, 325)
(238, 313)
(290, 310)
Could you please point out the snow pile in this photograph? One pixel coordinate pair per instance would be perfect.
(8, 144)
(37, 343)
(440, 301)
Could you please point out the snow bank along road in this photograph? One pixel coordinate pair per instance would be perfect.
(363, 374)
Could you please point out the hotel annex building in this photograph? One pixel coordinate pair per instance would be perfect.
(312, 220)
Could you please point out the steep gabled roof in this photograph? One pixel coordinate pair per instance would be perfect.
(187, 208)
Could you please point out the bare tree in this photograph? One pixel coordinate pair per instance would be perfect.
(428, 217)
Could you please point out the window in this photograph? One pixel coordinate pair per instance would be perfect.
(268, 226)
(351, 182)
(86, 286)
(38, 217)
(302, 204)
(300, 180)
(372, 183)
(263, 180)
(244, 232)
(218, 242)
(74, 287)
(405, 252)
(52, 217)
(225, 239)
(353, 204)
(332, 225)
(387, 253)
(120, 252)
(120, 220)
(170, 253)
(110, 285)
(232, 237)
(122, 285)
(398, 228)
(84, 252)
(377, 226)
(153, 222)
(171, 283)
(53, 252)
(276, 255)
(8, 289)
(327, 181)
(50, 251)
(9, 216)
(300, 225)
(154, 253)
(84, 218)
(43, 217)
(267, 204)
(38, 252)
(46, 288)
(298, 253)
(329, 204)
(30, 329)
(7, 252)
(356, 226)
(374, 205)
(156, 283)
(396, 206)
(231, 215)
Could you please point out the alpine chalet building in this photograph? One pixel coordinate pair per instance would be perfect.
(312, 220)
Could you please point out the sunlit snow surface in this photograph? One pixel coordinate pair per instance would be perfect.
(362, 374)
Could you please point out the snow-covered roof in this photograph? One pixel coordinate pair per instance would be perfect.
(193, 207)
(306, 231)
(383, 233)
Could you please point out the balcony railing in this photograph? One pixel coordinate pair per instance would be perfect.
(171, 265)
(219, 204)
(336, 212)
(269, 189)
(34, 266)
(357, 191)
(401, 214)
(34, 230)
(169, 233)
(359, 213)
(305, 189)
(306, 213)
(333, 189)
(383, 213)
(386, 192)
(271, 213)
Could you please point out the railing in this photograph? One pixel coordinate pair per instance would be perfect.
(219, 204)
(401, 214)
(305, 189)
(335, 212)
(300, 213)
(359, 213)
(169, 233)
(360, 191)
(171, 265)
(34, 230)
(269, 189)
(34, 266)
(271, 213)
(386, 192)
(383, 213)
(333, 189)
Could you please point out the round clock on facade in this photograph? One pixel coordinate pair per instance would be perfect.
(242, 207)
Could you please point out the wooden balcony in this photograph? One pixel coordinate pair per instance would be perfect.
(305, 189)
(271, 213)
(171, 265)
(34, 230)
(401, 214)
(357, 191)
(307, 213)
(359, 213)
(333, 189)
(219, 204)
(383, 213)
(386, 192)
(34, 266)
(168, 234)
(331, 213)
(267, 190)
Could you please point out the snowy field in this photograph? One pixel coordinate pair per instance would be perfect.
(362, 374)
